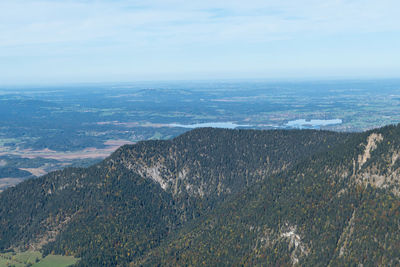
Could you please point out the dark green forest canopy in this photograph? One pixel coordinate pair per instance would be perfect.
(219, 197)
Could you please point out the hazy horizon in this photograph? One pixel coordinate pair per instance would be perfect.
(22, 85)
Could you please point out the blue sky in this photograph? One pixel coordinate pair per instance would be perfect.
(58, 41)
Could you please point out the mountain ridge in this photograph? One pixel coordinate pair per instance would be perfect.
(293, 235)
(187, 200)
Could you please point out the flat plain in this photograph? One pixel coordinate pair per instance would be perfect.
(46, 128)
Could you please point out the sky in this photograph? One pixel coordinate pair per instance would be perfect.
(70, 41)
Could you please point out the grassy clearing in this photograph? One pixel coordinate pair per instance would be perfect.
(35, 258)
(8, 259)
(56, 261)
(28, 256)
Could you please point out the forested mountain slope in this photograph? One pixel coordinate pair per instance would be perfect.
(214, 196)
(202, 167)
(337, 208)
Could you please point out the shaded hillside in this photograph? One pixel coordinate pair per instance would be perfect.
(120, 209)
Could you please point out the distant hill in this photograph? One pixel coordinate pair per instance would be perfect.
(220, 197)
(6, 172)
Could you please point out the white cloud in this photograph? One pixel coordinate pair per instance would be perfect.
(146, 35)
(41, 22)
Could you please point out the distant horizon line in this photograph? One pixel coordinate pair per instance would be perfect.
(198, 80)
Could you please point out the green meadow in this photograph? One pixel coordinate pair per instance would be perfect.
(35, 258)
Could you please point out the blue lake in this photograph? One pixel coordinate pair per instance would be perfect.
(312, 123)
(301, 123)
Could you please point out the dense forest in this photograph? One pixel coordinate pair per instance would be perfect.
(220, 197)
